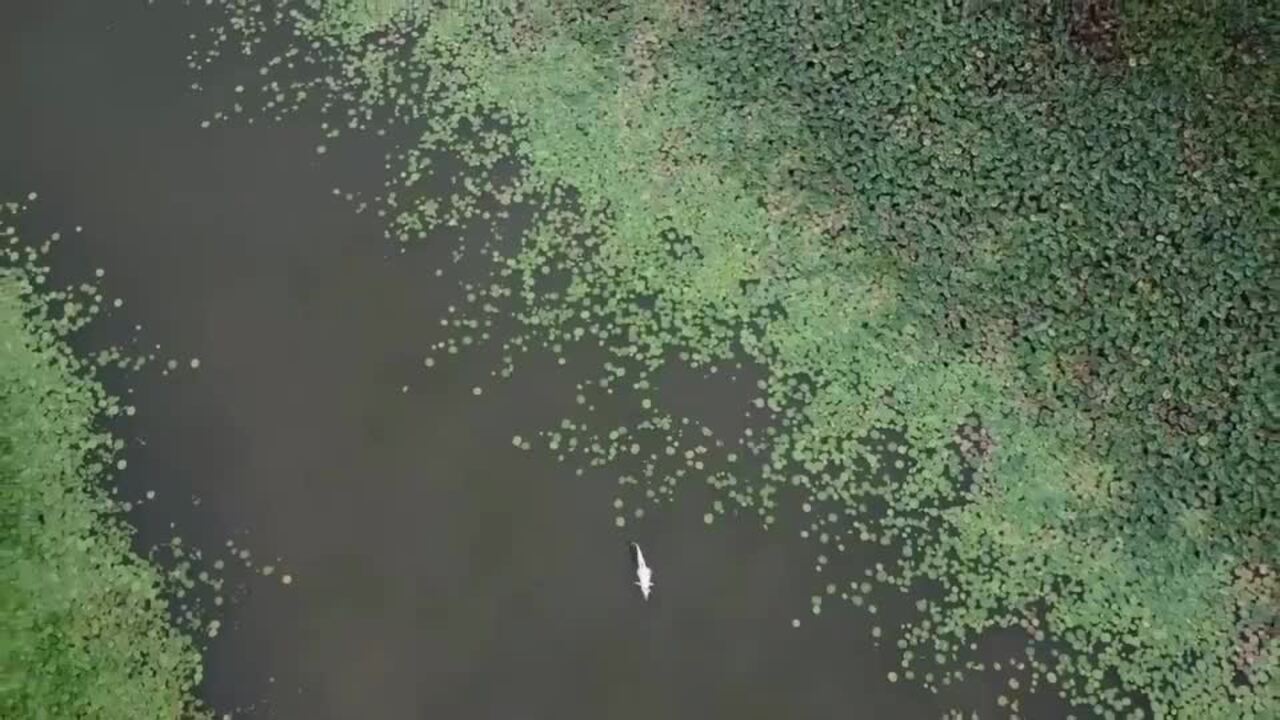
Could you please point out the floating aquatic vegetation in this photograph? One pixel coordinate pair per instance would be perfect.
(1008, 276)
(85, 626)
(89, 627)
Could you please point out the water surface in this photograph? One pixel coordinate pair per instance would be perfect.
(437, 570)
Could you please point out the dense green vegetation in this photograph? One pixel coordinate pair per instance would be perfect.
(1036, 239)
(85, 630)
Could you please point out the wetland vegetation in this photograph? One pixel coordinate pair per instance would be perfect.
(1034, 241)
(1007, 271)
(85, 624)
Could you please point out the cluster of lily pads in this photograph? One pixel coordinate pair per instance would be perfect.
(85, 623)
(1007, 271)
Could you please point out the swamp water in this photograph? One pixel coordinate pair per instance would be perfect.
(435, 570)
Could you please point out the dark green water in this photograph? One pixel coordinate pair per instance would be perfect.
(437, 571)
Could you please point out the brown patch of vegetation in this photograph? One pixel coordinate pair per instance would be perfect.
(525, 34)
(639, 56)
(1094, 28)
(975, 444)
(1178, 418)
(688, 14)
(832, 223)
(1257, 588)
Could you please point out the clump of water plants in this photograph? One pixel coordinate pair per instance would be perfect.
(1008, 272)
(85, 627)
